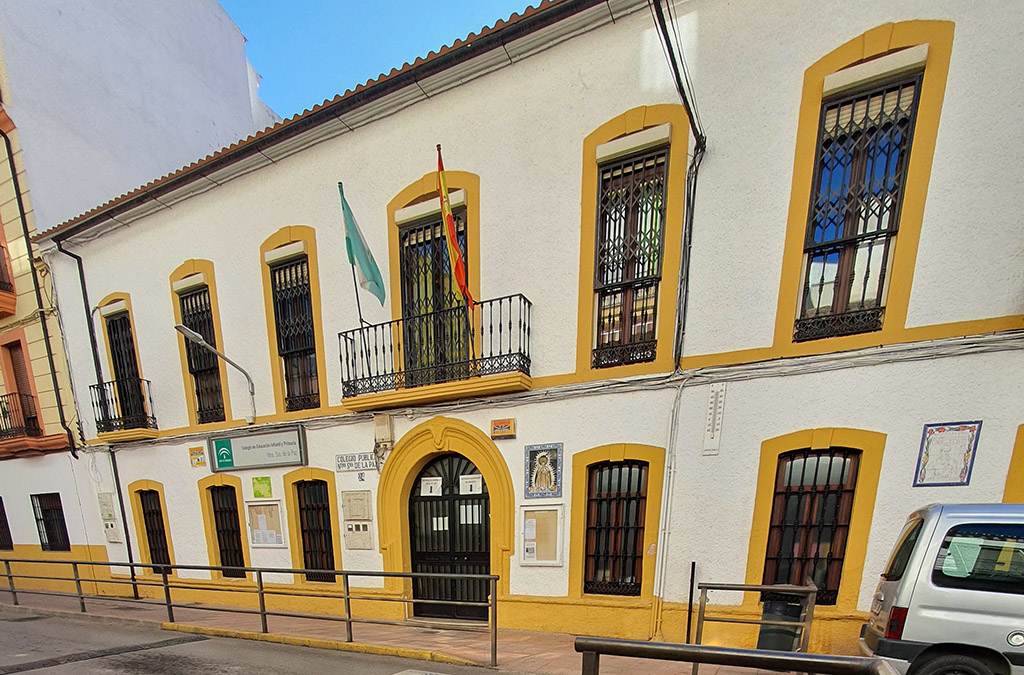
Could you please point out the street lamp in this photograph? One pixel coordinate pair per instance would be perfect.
(198, 339)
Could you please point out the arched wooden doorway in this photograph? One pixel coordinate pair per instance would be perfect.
(450, 533)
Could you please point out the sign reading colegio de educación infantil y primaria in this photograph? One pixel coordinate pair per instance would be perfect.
(254, 450)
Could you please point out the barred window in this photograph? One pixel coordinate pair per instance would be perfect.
(864, 143)
(6, 541)
(627, 271)
(315, 526)
(229, 531)
(810, 519)
(296, 339)
(156, 535)
(203, 365)
(49, 513)
(616, 513)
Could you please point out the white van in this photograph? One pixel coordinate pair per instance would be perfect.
(951, 600)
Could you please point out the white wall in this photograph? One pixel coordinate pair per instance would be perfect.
(108, 95)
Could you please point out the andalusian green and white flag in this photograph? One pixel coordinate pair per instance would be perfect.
(359, 255)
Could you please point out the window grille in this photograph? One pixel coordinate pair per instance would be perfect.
(229, 531)
(296, 339)
(616, 513)
(810, 519)
(435, 320)
(156, 536)
(864, 144)
(49, 513)
(627, 271)
(315, 526)
(6, 541)
(130, 397)
(203, 365)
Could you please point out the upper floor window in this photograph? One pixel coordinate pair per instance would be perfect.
(6, 541)
(296, 337)
(616, 513)
(628, 264)
(49, 513)
(864, 141)
(203, 365)
(810, 519)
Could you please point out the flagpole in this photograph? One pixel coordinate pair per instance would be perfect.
(359, 307)
(451, 268)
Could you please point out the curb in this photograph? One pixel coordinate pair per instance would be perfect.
(321, 643)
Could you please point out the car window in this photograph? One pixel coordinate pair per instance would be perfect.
(982, 557)
(900, 558)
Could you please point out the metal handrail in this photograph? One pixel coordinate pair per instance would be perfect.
(257, 586)
(810, 591)
(592, 649)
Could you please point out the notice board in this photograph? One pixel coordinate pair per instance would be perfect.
(542, 535)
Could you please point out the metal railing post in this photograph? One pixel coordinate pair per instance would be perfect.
(348, 608)
(78, 587)
(805, 629)
(700, 622)
(167, 595)
(591, 663)
(494, 623)
(263, 601)
(10, 581)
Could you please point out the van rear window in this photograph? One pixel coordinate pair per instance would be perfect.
(982, 557)
(900, 558)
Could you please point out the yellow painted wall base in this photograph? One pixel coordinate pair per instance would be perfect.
(56, 569)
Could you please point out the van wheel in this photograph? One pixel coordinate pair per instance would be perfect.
(953, 664)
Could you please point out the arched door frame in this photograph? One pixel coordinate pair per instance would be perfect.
(413, 451)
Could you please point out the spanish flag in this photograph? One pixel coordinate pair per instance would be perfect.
(458, 265)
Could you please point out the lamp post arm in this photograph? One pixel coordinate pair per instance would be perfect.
(252, 387)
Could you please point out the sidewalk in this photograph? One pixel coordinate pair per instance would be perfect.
(518, 650)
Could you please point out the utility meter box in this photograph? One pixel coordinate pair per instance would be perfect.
(110, 529)
(358, 513)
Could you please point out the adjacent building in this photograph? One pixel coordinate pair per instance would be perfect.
(763, 381)
(88, 101)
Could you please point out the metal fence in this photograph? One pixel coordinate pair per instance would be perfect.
(123, 404)
(168, 582)
(18, 416)
(593, 648)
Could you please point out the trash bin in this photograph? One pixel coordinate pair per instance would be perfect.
(781, 638)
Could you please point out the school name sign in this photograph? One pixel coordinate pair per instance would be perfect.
(282, 447)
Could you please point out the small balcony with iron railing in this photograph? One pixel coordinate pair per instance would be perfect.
(18, 416)
(123, 409)
(438, 356)
(8, 296)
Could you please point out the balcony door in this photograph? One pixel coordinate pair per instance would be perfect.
(18, 416)
(131, 403)
(435, 321)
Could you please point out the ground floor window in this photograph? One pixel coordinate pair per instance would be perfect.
(315, 526)
(229, 531)
(616, 513)
(810, 521)
(6, 541)
(49, 513)
(156, 535)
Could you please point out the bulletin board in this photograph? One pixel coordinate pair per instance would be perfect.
(542, 535)
(266, 529)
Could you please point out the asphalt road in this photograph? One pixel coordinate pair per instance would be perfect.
(37, 643)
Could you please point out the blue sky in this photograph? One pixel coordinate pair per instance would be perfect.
(310, 50)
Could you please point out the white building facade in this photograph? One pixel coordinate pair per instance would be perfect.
(766, 390)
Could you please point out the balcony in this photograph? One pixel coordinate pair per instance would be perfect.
(18, 416)
(123, 410)
(8, 298)
(438, 356)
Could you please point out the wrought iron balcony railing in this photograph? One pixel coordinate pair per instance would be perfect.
(18, 416)
(445, 346)
(123, 404)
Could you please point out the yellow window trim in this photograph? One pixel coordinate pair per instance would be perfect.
(872, 445)
(629, 122)
(422, 190)
(113, 299)
(1013, 493)
(413, 451)
(655, 458)
(140, 523)
(210, 523)
(187, 269)
(288, 235)
(294, 528)
(890, 37)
